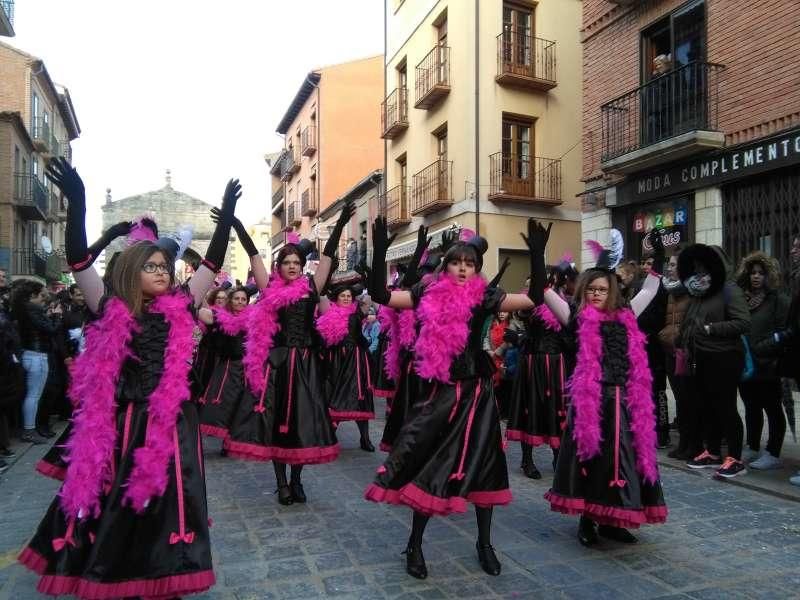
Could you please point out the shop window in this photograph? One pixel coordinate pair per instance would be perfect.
(672, 219)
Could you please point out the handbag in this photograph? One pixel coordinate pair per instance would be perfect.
(749, 364)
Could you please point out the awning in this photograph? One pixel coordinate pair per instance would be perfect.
(405, 250)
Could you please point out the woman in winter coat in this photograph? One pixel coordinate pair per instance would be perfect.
(759, 278)
(711, 334)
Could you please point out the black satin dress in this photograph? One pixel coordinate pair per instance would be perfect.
(538, 411)
(348, 376)
(225, 387)
(408, 393)
(450, 451)
(289, 422)
(382, 385)
(608, 489)
(164, 552)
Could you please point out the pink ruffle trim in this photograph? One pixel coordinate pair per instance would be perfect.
(164, 587)
(383, 393)
(214, 431)
(293, 456)
(353, 415)
(412, 496)
(515, 435)
(607, 515)
(50, 470)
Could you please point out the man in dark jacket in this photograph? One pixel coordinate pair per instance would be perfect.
(711, 332)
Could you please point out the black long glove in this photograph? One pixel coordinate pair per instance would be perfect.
(244, 238)
(66, 178)
(376, 284)
(496, 279)
(659, 253)
(449, 237)
(215, 255)
(536, 240)
(344, 218)
(412, 276)
(109, 235)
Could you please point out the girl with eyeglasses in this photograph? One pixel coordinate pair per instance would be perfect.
(131, 517)
(606, 470)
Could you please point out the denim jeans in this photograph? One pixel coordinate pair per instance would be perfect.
(36, 369)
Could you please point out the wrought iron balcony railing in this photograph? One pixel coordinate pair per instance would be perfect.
(31, 196)
(394, 205)
(394, 114)
(40, 134)
(525, 61)
(293, 216)
(277, 196)
(278, 239)
(7, 6)
(25, 261)
(524, 179)
(432, 188)
(308, 140)
(683, 100)
(308, 203)
(291, 164)
(432, 81)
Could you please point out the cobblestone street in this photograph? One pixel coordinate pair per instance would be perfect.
(721, 541)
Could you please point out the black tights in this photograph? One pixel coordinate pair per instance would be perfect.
(482, 515)
(527, 454)
(363, 429)
(280, 473)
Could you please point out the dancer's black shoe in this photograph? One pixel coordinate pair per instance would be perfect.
(415, 563)
(366, 445)
(530, 470)
(617, 534)
(285, 495)
(298, 493)
(587, 532)
(488, 559)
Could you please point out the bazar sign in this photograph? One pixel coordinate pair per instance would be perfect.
(715, 169)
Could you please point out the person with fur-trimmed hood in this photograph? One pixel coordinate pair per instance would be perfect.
(711, 338)
(450, 450)
(607, 469)
(348, 377)
(759, 278)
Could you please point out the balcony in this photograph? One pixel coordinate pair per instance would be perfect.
(291, 164)
(25, 261)
(277, 196)
(395, 207)
(66, 151)
(525, 62)
(7, 18)
(670, 117)
(308, 141)
(432, 188)
(532, 180)
(279, 239)
(31, 197)
(276, 168)
(308, 203)
(41, 135)
(394, 114)
(433, 77)
(293, 216)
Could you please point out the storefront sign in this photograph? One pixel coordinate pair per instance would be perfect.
(660, 218)
(670, 237)
(712, 169)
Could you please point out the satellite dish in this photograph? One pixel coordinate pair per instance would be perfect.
(47, 246)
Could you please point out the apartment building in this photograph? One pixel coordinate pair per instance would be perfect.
(331, 141)
(37, 121)
(481, 120)
(7, 18)
(692, 123)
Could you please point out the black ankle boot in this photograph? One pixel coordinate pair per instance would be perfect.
(617, 534)
(298, 493)
(530, 470)
(415, 563)
(587, 532)
(366, 445)
(488, 559)
(285, 495)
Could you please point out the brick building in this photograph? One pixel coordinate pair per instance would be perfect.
(691, 122)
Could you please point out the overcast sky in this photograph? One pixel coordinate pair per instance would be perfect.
(194, 86)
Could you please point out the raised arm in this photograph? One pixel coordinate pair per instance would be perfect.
(215, 255)
(256, 262)
(536, 240)
(66, 178)
(413, 275)
(329, 252)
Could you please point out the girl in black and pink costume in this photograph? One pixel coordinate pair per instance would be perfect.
(607, 469)
(348, 377)
(450, 451)
(538, 412)
(283, 416)
(131, 517)
(225, 388)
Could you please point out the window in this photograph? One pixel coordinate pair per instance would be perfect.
(16, 159)
(402, 168)
(35, 167)
(441, 142)
(34, 105)
(518, 28)
(674, 41)
(517, 146)
(402, 74)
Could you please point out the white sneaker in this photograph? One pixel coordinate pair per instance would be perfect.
(795, 480)
(766, 462)
(749, 454)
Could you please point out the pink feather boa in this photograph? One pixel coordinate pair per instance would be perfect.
(445, 311)
(334, 323)
(403, 337)
(547, 317)
(90, 449)
(586, 392)
(229, 323)
(262, 325)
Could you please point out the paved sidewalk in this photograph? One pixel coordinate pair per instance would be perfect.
(721, 541)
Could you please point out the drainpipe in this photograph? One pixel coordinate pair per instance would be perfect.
(385, 89)
(477, 121)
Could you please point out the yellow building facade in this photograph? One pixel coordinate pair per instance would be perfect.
(482, 122)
